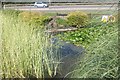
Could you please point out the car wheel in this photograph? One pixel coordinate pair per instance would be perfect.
(44, 6)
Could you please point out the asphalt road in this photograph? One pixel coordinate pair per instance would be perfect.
(66, 7)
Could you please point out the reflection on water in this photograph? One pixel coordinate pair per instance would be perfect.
(69, 54)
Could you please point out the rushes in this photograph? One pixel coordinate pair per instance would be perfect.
(24, 50)
(101, 59)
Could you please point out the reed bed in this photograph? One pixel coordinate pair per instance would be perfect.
(26, 52)
(101, 58)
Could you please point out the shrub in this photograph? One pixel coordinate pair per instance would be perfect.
(61, 21)
(78, 19)
(35, 18)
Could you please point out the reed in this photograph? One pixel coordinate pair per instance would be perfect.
(101, 58)
(24, 49)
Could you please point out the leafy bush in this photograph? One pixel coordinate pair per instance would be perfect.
(78, 19)
(61, 21)
(35, 18)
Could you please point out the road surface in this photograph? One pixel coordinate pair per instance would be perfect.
(66, 8)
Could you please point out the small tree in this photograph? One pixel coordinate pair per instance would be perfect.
(77, 19)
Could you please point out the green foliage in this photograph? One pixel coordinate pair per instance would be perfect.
(38, 19)
(61, 21)
(85, 36)
(11, 12)
(101, 58)
(117, 17)
(24, 50)
(78, 19)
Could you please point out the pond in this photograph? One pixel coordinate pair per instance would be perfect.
(69, 53)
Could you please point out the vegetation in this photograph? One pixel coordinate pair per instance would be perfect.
(35, 18)
(62, 22)
(26, 52)
(77, 19)
(12, 13)
(85, 36)
(101, 58)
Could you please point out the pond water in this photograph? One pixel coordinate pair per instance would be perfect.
(69, 53)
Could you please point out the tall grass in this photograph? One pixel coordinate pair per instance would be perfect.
(25, 51)
(101, 58)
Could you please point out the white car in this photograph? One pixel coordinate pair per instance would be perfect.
(41, 4)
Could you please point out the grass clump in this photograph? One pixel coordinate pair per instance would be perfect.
(24, 50)
(101, 58)
(11, 12)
